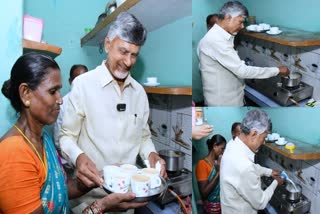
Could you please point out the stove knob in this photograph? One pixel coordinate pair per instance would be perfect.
(275, 93)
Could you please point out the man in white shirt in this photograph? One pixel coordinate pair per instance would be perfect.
(105, 120)
(222, 71)
(240, 177)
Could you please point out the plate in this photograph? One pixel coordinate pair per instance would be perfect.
(268, 32)
(153, 194)
(281, 144)
(151, 84)
(256, 31)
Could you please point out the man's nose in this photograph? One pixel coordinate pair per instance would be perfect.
(127, 61)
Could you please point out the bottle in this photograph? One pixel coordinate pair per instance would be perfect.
(199, 116)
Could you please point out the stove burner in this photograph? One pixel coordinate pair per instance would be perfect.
(172, 174)
(292, 88)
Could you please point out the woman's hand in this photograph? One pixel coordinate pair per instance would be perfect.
(116, 202)
(199, 132)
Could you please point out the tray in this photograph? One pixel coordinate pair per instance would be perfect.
(153, 194)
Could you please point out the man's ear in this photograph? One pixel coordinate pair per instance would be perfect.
(253, 132)
(107, 44)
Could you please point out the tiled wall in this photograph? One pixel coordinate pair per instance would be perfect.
(260, 54)
(167, 112)
(305, 173)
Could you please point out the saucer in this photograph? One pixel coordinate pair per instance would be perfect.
(151, 84)
(268, 32)
(280, 144)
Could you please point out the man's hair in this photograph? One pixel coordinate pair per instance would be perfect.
(73, 68)
(128, 28)
(234, 126)
(255, 119)
(208, 19)
(234, 9)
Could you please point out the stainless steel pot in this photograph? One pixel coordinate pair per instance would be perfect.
(292, 80)
(293, 194)
(174, 159)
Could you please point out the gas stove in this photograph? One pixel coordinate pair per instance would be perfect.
(180, 182)
(272, 88)
(280, 203)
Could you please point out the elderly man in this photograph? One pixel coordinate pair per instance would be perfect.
(240, 183)
(105, 120)
(223, 72)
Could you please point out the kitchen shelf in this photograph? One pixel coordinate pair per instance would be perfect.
(288, 37)
(153, 14)
(47, 49)
(169, 90)
(303, 151)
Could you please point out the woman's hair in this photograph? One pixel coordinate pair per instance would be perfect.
(234, 9)
(30, 68)
(128, 28)
(215, 140)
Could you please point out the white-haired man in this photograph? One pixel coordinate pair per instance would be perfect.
(222, 71)
(106, 116)
(240, 184)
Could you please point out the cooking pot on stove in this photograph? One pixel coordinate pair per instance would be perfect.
(174, 159)
(293, 194)
(292, 80)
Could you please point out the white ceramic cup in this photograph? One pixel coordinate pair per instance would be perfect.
(153, 174)
(275, 136)
(116, 180)
(274, 30)
(140, 185)
(252, 27)
(152, 79)
(281, 140)
(129, 169)
(260, 28)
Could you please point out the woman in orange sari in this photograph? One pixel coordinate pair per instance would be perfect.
(208, 171)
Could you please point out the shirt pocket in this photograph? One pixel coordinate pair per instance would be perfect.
(133, 130)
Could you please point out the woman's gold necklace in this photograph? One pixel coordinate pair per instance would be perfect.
(27, 139)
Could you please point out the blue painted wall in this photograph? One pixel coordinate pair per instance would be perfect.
(303, 15)
(64, 23)
(11, 48)
(167, 55)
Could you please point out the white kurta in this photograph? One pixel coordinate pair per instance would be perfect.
(240, 181)
(223, 72)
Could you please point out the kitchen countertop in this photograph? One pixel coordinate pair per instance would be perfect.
(264, 101)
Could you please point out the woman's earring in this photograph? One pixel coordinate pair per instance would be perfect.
(27, 103)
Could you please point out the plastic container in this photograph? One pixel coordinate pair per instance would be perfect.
(32, 28)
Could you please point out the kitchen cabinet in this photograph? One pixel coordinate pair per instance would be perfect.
(169, 90)
(152, 13)
(303, 151)
(288, 37)
(44, 48)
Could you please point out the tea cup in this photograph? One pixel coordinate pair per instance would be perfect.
(153, 174)
(116, 180)
(129, 169)
(140, 185)
(260, 28)
(274, 30)
(252, 27)
(152, 80)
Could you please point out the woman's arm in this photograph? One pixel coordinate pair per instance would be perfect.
(76, 188)
(206, 187)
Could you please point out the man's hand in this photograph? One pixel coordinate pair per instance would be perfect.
(199, 132)
(280, 180)
(218, 163)
(116, 202)
(275, 173)
(153, 159)
(284, 71)
(87, 172)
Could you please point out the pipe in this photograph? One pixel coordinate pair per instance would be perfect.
(185, 210)
(295, 102)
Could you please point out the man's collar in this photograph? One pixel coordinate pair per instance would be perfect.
(250, 154)
(223, 32)
(107, 78)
